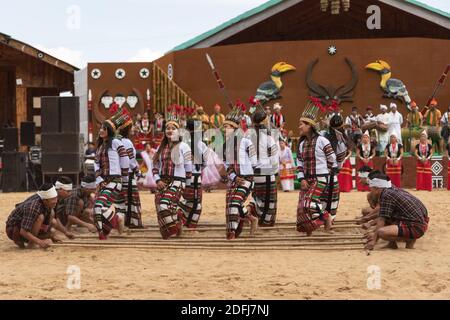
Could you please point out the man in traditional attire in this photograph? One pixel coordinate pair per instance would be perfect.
(395, 122)
(277, 118)
(402, 216)
(432, 119)
(382, 128)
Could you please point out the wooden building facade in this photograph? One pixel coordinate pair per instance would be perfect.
(26, 74)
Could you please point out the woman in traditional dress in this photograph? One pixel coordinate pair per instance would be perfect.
(316, 162)
(448, 158)
(394, 155)
(423, 153)
(365, 152)
(130, 192)
(264, 195)
(111, 171)
(240, 160)
(287, 172)
(190, 207)
(171, 167)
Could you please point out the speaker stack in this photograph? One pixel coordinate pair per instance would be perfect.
(14, 176)
(62, 143)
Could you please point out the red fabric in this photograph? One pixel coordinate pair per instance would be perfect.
(345, 177)
(360, 186)
(424, 176)
(395, 173)
(412, 230)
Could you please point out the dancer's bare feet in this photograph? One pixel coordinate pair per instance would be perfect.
(328, 225)
(410, 244)
(391, 245)
(231, 236)
(253, 224)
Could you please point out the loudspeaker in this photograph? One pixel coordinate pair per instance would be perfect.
(50, 116)
(70, 114)
(11, 136)
(62, 143)
(14, 178)
(61, 162)
(27, 134)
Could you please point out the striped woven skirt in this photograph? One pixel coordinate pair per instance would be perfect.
(133, 209)
(167, 201)
(345, 177)
(332, 197)
(394, 172)
(236, 212)
(190, 206)
(311, 210)
(264, 202)
(105, 217)
(424, 177)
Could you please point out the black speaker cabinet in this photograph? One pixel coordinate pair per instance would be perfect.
(70, 114)
(61, 162)
(27, 134)
(62, 142)
(11, 136)
(14, 176)
(50, 116)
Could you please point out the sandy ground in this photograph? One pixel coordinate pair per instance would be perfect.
(423, 273)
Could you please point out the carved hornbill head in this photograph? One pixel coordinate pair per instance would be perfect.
(280, 68)
(381, 66)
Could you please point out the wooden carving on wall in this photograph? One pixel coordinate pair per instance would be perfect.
(328, 94)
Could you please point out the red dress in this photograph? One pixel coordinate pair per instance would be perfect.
(394, 172)
(345, 177)
(424, 179)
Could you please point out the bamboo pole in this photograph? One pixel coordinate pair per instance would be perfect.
(244, 240)
(223, 244)
(276, 228)
(250, 248)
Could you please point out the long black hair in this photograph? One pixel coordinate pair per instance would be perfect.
(111, 135)
(125, 132)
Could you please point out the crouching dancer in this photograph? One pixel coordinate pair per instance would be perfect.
(402, 216)
(31, 221)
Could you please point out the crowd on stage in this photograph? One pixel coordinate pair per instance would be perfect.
(249, 151)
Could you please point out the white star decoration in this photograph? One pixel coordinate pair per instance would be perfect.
(145, 73)
(96, 74)
(120, 74)
(332, 50)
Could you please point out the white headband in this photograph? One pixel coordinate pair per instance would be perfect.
(383, 107)
(380, 183)
(67, 187)
(49, 194)
(86, 185)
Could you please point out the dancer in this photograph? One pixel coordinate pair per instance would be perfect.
(30, 222)
(339, 142)
(394, 154)
(264, 196)
(365, 152)
(424, 152)
(111, 170)
(131, 201)
(316, 162)
(287, 172)
(190, 206)
(73, 205)
(172, 165)
(239, 160)
(402, 216)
